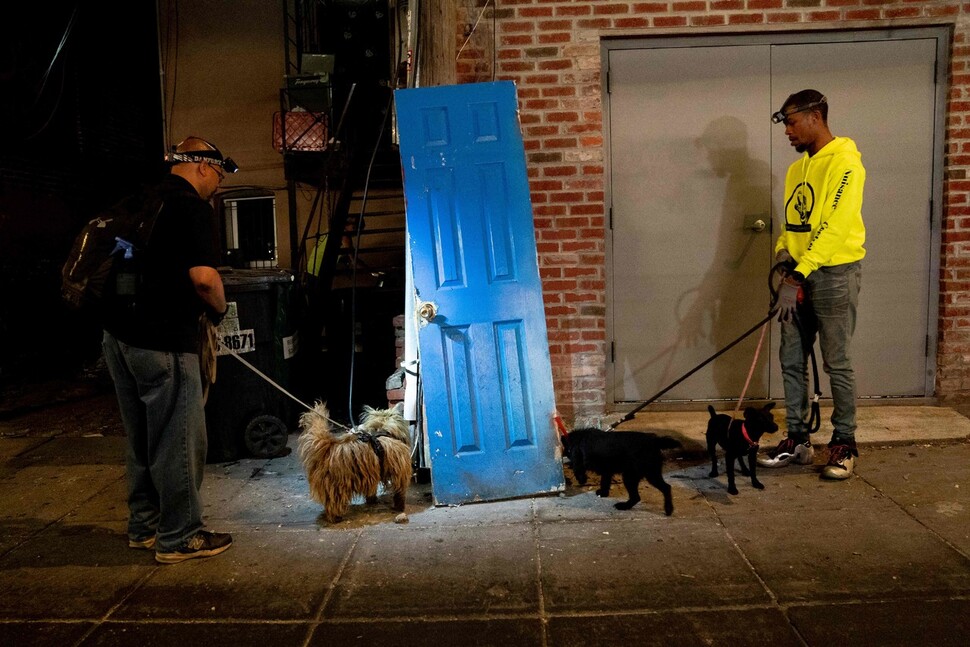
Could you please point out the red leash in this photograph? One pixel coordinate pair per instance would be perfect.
(754, 362)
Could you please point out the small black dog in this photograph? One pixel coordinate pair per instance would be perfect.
(633, 454)
(739, 438)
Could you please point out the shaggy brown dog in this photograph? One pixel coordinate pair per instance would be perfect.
(341, 464)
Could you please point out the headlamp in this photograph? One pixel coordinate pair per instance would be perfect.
(781, 115)
(212, 157)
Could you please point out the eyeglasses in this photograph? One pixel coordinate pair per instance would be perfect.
(781, 115)
(215, 167)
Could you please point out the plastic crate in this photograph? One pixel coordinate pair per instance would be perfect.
(305, 131)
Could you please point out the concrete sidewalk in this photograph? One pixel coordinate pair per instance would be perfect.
(880, 559)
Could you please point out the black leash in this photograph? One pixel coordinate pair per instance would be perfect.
(815, 418)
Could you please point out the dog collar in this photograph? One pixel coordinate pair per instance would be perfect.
(744, 432)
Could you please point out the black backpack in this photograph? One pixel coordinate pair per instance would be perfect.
(103, 268)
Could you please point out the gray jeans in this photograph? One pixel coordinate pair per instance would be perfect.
(160, 397)
(829, 312)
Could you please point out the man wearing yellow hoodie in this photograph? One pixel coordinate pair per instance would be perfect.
(822, 245)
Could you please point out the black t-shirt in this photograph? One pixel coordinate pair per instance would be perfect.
(167, 308)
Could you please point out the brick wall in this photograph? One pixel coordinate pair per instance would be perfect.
(551, 49)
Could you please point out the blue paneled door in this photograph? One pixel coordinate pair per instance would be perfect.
(482, 340)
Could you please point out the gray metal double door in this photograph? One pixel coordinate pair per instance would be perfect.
(696, 175)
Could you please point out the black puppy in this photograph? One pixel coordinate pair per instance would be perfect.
(739, 438)
(633, 454)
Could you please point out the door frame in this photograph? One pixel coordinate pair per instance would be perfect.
(942, 33)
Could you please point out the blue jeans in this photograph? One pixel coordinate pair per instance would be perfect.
(829, 312)
(160, 397)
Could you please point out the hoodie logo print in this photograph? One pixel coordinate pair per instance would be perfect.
(801, 202)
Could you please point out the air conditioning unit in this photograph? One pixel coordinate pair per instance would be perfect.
(249, 231)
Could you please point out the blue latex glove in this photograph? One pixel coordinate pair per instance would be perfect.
(787, 299)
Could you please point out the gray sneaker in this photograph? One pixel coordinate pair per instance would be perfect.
(203, 544)
(147, 543)
(787, 452)
(841, 463)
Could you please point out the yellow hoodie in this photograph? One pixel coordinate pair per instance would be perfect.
(823, 208)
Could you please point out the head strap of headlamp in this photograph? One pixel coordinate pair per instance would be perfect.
(781, 115)
(211, 157)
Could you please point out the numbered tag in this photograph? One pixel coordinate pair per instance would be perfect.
(291, 345)
(238, 342)
(231, 338)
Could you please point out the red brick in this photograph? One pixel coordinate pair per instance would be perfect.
(824, 16)
(581, 297)
(587, 209)
(746, 18)
(549, 210)
(539, 131)
(554, 25)
(559, 286)
(632, 23)
(574, 10)
(518, 39)
(862, 14)
(565, 196)
(593, 23)
(579, 246)
(517, 66)
(945, 10)
(534, 12)
(584, 128)
(560, 311)
(541, 79)
(671, 21)
(521, 26)
(541, 104)
(559, 91)
(580, 271)
(558, 37)
(649, 7)
(561, 117)
(609, 9)
(903, 12)
(708, 20)
(546, 185)
(560, 142)
(555, 64)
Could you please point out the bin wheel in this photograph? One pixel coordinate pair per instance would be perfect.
(265, 436)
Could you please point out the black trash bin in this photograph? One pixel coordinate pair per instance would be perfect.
(246, 415)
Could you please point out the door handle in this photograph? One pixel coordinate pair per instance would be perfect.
(758, 225)
(427, 311)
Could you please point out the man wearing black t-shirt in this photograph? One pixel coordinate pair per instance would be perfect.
(151, 349)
